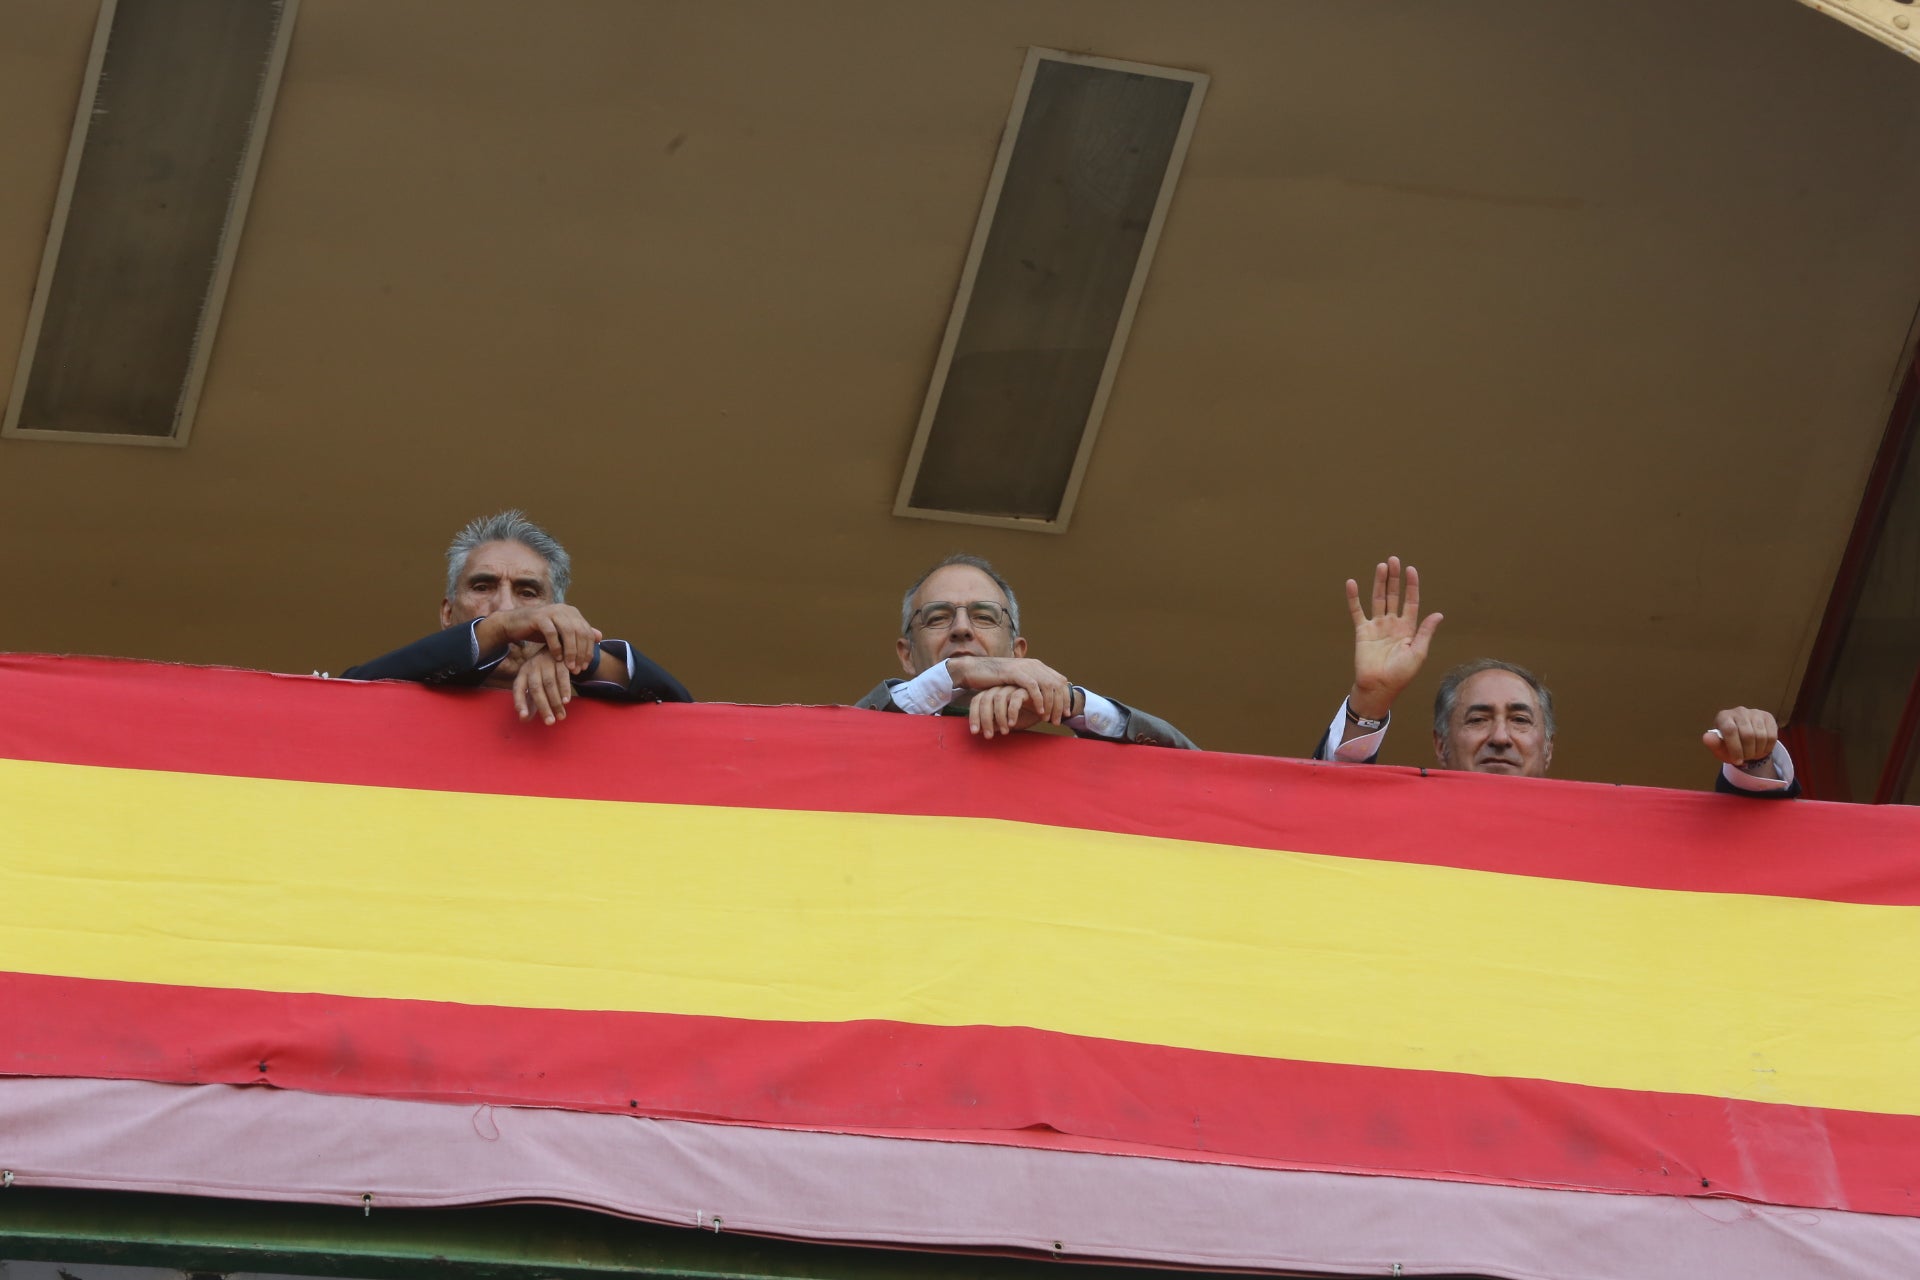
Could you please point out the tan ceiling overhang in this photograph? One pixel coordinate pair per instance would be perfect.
(1592, 312)
(1891, 22)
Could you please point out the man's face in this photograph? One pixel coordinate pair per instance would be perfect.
(1496, 728)
(497, 576)
(961, 585)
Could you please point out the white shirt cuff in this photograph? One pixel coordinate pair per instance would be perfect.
(926, 694)
(1360, 749)
(1782, 764)
(1098, 717)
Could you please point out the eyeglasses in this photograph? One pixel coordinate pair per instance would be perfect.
(938, 615)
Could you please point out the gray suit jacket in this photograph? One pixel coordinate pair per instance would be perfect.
(1146, 730)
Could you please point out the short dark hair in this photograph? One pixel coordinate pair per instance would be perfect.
(970, 562)
(1448, 695)
(509, 526)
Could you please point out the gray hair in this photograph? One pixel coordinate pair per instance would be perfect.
(970, 562)
(509, 526)
(1448, 695)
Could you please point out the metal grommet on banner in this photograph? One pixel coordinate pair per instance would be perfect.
(366, 1204)
(6, 1178)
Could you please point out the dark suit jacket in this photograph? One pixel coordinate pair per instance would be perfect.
(1143, 729)
(1325, 752)
(446, 657)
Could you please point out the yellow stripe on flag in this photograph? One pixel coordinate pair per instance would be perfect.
(200, 880)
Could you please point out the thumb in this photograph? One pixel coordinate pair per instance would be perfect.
(1718, 745)
(1424, 636)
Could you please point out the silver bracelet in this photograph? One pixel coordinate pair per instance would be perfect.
(1369, 725)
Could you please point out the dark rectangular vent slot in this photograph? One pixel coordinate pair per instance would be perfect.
(164, 152)
(1057, 265)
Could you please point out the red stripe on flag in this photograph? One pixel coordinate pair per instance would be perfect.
(1007, 1085)
(248, 724)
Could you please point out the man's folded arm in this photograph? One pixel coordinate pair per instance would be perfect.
(932, 692)
(449, 656)
(1112, 721)
(880, 698)
(644, 679)
(928, 694)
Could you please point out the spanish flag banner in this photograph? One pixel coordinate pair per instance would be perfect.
(831, 921)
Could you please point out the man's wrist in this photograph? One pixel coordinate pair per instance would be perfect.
(1101, 717)
(489, 638)
(593, 664)
(1368, 704)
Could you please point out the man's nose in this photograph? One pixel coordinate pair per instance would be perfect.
(1502, 734)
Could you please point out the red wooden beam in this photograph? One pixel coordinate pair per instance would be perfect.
(1822, 748)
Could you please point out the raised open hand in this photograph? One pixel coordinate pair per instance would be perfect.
(1390, 646)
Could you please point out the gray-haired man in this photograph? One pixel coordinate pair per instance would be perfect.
(961, 647)
(504, 621)
(1494, 717)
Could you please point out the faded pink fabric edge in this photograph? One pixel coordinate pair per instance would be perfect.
(269, 1144)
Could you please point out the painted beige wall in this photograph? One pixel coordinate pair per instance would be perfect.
(1593, 311)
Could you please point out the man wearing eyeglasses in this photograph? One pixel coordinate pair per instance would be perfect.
(961, 647)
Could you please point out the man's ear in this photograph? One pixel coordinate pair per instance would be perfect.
(905, 650)
(1019, 646)
(1440, 749)
(1546, 756)
(446, 613)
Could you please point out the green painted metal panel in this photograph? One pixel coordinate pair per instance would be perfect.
(509, 1242)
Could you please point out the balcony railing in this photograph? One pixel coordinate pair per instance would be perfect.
(840, 976)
